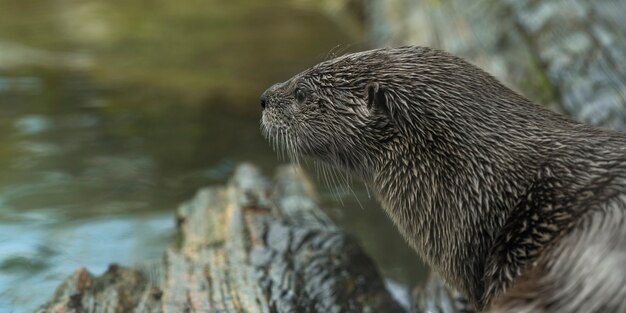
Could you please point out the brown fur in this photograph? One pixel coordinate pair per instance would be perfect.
(495, 193)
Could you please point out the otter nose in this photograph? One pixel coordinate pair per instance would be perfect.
(263, 100)
(266, 94)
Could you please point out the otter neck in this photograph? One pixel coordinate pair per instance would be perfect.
(460, 181)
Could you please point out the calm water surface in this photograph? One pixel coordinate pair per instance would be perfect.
(112, 113)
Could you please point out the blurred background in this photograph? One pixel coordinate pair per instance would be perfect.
(114, 112)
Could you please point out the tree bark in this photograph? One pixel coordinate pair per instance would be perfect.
(251, 246)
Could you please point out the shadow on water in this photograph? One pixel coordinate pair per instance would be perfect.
(112, 113)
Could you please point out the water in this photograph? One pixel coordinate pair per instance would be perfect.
(112, 113)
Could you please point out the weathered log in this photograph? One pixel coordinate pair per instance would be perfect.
(247, 247)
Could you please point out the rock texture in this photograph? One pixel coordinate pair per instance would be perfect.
(247, 247)
(570, 55)
(582, 48)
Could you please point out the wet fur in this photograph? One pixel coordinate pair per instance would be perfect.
(519, 208)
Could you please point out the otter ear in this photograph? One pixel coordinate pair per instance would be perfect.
(376, 98)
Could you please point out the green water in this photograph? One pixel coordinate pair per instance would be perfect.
(114, 112)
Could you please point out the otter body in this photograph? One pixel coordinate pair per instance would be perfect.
(519, 208)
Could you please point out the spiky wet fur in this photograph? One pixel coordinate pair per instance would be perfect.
(519, 208)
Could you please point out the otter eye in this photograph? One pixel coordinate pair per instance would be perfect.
(300, 95)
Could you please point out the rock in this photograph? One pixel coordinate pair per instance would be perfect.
(567, 55)
(252, 246)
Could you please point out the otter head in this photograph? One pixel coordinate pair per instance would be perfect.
(356, 108)
(335, 112)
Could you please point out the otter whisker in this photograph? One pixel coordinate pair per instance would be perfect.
(279, 147)
(283, 150)
(330, 182)
(347, 181)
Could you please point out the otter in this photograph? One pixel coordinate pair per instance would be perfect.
(517, 207)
